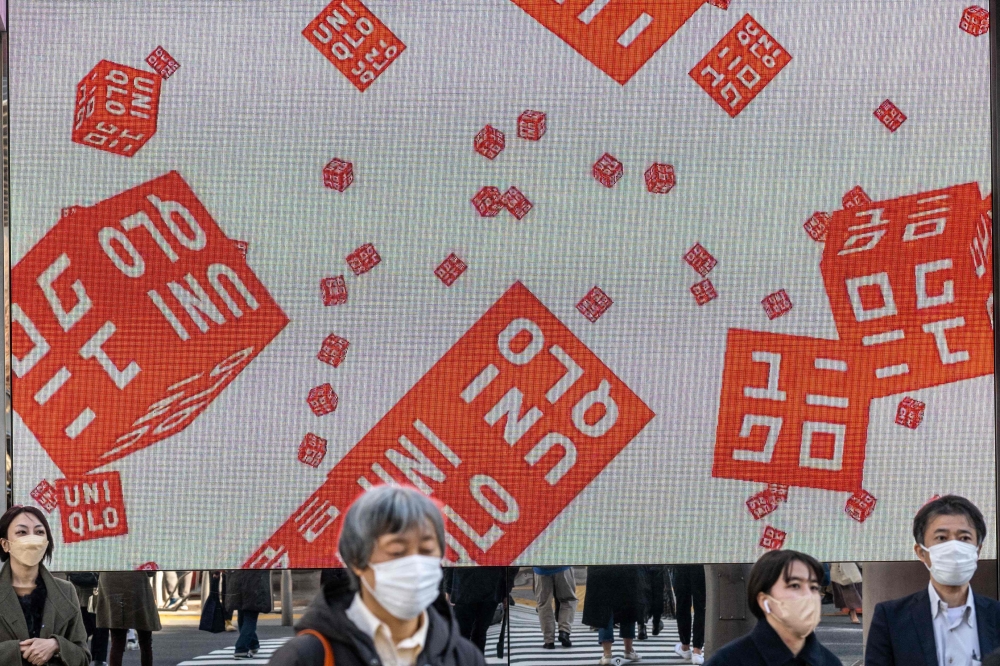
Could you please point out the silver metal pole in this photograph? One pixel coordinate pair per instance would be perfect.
(286, 598)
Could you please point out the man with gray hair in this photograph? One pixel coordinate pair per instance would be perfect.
(388, 610)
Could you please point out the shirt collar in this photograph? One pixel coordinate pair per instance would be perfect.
(774, 650)
(939, 606)
(366, 621)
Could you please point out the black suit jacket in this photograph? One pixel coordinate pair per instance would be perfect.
(902, 631)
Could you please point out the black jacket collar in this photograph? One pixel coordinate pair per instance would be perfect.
(774, 651)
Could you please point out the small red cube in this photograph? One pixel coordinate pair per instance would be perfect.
(334, 350)
(333, 290)
(162, 62)
(322, 400)
(860, 505)
(489, 142)
(910, 413)
(363, 259)
(779, 491)
(531, 125)
(488, 202)
(660, 178)
(515, 202)
(855, 198)
(148, 566)
(721, 4)
(45, 494)
(338, 174)
(450, 269)
(762, 504)
(594, 304)
(975, 21)
(312, 450)
(608, 170)
(890, 116)
(704, 292)
(700, 259)
(818, 226)
(777, 304)
(773, 538)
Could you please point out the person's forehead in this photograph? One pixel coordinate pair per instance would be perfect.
(420, 531)
(950, 523)
(26, 520)
(800, 572)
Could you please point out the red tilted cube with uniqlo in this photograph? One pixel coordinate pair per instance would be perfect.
(531, 125)
(333, 290)
(312, 450)
(762, 504)
(700, 259)
(704, 292)
(855, 198)
(450, 269)
(890, 115)
(116, 108)
(860, 505)
(773, 538)
(777, 304)
(489, 142)
(162, 62)
(910, 413)
(338, 174)
(363, 259)
(660, 178)
(334, 350)
(129, 318)
(975, 21)
(594, 304)
(515, 202)
(322, 400)
(488, 202)
(818, 226)
(46, 496)
(608, 170)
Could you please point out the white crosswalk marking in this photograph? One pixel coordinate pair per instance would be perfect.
(224, 657)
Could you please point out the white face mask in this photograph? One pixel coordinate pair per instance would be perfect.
(406, 586)
(953, 562)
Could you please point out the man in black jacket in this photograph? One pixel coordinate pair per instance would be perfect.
(388, 610)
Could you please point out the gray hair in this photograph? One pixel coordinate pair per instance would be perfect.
(384, 510)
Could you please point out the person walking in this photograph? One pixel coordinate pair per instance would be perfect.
(558, 585)
(689, 588)
(476, 592)
(85, 583)
(615, 595)
(389, 611)
(845, 579)
(946, 624)
(783, 593)
(40, 619)
(177, 589)
(125, 601)
(656, 575)
(248, 594)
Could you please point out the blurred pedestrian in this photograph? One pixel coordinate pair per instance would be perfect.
(689, 588)
(615, 595)
(655, 574)
(476, 593)
(248, 594)
(390, 610)
(783, 593)
(555, 585)
(40, 619)
(177, 589)
(845, 579)
(125, 601)
(85, 583)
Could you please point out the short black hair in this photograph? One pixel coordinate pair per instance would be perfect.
(949, 505)
(772, 566)
(8, 518)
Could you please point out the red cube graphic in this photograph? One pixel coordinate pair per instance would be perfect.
(660, 178)
(488, 202)
(116, 108)
(92, 507)
(45, 494)
(531, 125)
(515, 202)
(312, 450)
(608, 170)
(975, 21)
(721, 4)
(322, 400)
(777, 304)
(704, 292)
(129, 318)
(910, 413)
(363, 259)
(338, 174)
(855, 198)
(489, 142)
(740, 66)
(162, 62)
(333, 290)
(762, 504)
(700, 259)
(818, 226)
(354, 40)
(890, 116)
(450, 269)
(773, 538)
(594, 304)
(334, 350)
(779, 491)
(860, 505)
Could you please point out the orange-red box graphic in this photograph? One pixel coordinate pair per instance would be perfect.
(128, 318)
(91, 507)
(791, 412)
(740, 66)
(618, 36)
(906, 292)
(504, 430)
(351, 37)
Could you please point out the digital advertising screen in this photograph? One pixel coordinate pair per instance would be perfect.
(613, 281)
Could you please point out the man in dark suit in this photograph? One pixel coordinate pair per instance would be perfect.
(944, 625)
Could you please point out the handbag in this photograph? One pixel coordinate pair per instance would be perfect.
(213, 615)
(845, 573)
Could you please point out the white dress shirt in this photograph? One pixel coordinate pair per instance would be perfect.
(955, 633)
(403, 653)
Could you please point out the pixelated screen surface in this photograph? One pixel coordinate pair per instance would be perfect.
(612, 281)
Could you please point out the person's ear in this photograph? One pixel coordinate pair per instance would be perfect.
(921, 554)
(761, 598)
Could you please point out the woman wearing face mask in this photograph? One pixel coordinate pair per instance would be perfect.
(783, 593)
(40, 619)
(389, 611)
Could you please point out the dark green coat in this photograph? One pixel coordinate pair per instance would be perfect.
(125, 601)
(61, 620)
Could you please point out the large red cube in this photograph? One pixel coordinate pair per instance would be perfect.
(116, 108)
(489, 142)
(608, 171)
(92, 507)
(129, 318)
(975, 21)
(531, 125)
(338, 174)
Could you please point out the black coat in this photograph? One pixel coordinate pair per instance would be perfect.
(327, 614)
(248, 590)
(621, 590)
(763, 647)
(902, 631)
(473, 585)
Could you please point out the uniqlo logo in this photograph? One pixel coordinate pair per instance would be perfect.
(45, 494)
(354, 40)
(513, 422)
(740, 66)
(617, 36)
(903, 287)
(92, 507)
(890, 116)
(791, 412)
